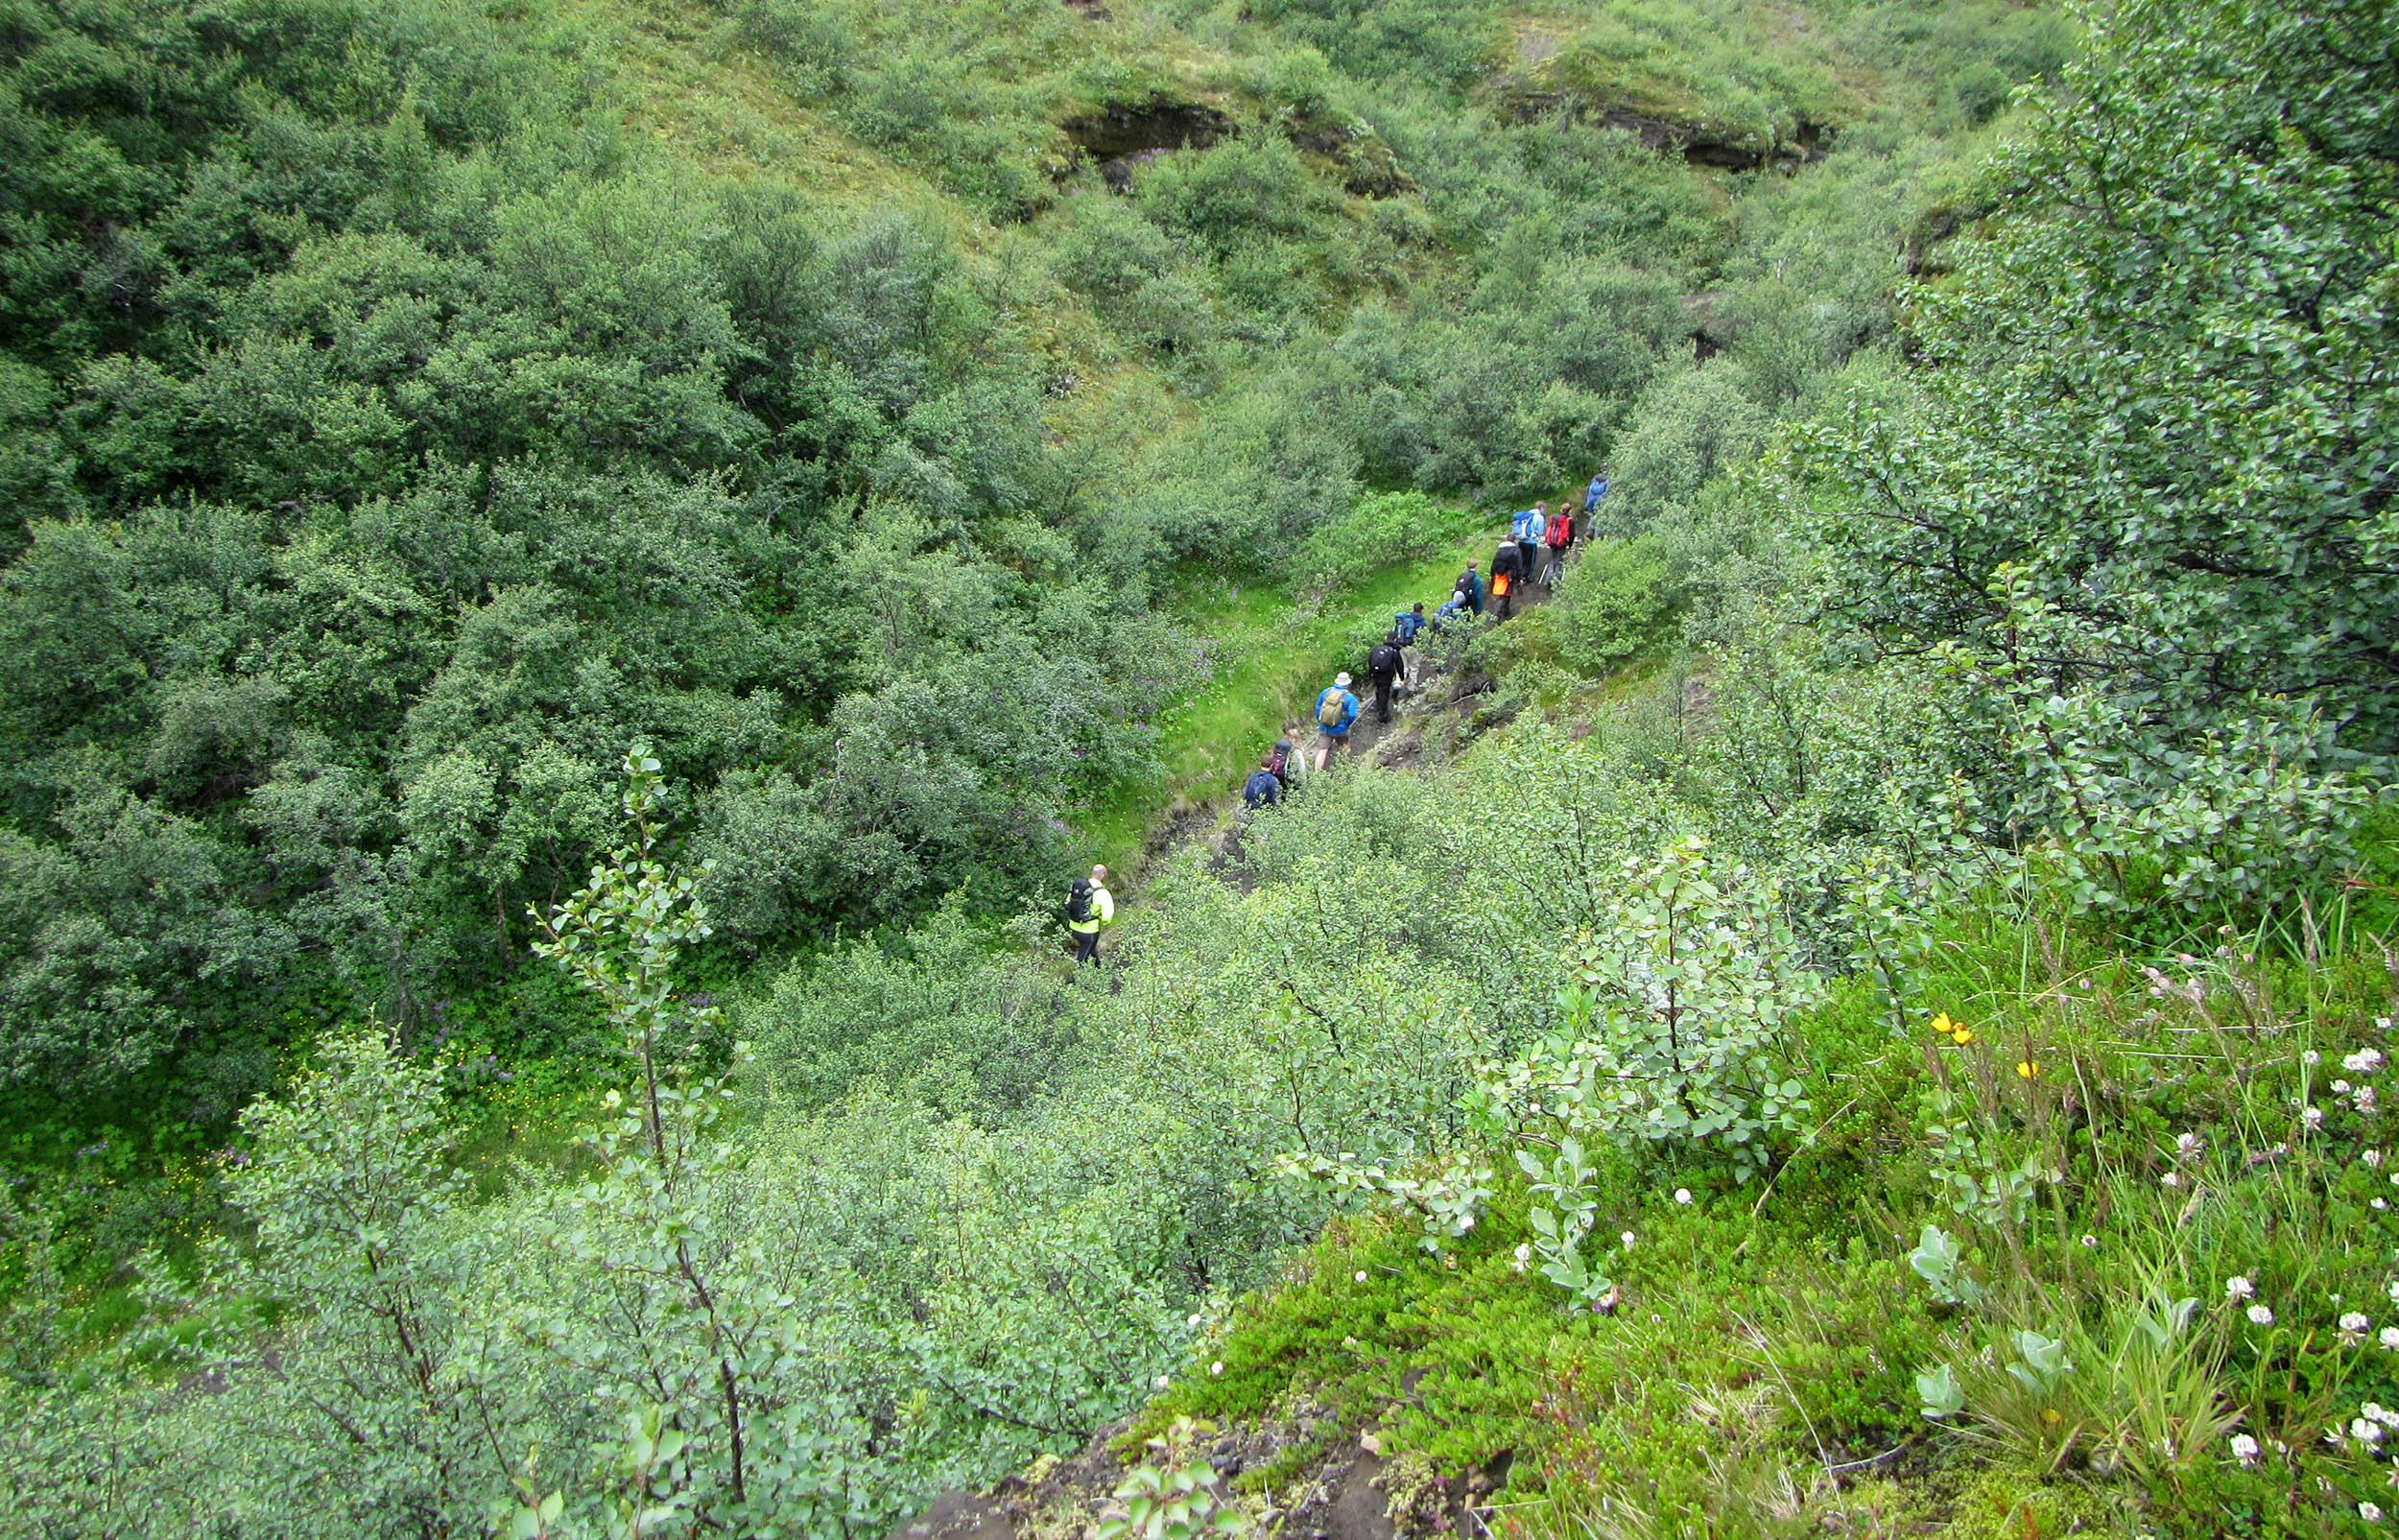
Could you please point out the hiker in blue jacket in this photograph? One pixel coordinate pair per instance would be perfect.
(1528, 528)
(1470, 585)
(1592, 496)
(1337, 712)
(1405, 625)
(1264, 788)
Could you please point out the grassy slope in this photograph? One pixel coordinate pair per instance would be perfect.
(1757, 1376)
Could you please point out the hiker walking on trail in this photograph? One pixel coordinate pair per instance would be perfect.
(1405, 625)
(1264, 788)
(1507, 575)
(1529, 526)
(1591, 496)
(1383, 668)
(1291, 763)
(1554, 542)
(1470, 586)
(1337, 712)
(1090, 909)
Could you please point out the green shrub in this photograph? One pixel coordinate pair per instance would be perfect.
(1380, 531)
(1616, 603)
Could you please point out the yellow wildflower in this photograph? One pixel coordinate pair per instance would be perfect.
(2026, 1070)
(1942, 1025)
(1962, 1038)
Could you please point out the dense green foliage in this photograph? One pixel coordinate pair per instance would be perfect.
(1908, 1059)
(2141, 488)
(394, 432)
(406, 448)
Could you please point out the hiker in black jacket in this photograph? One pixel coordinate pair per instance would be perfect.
(1507, 575)
(1383, 663)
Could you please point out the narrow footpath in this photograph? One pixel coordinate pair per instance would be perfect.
(1432, 713)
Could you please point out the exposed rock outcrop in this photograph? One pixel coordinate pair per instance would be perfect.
(1701, 144)
(1348, 1491)
(1157, 122)
(1366, 163)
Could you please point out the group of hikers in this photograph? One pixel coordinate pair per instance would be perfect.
(1534, 550)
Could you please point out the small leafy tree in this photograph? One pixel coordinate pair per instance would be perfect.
(1673, 1035)
(383, 1388)
(681, 1308)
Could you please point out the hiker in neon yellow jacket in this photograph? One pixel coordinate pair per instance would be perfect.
(1090, 909)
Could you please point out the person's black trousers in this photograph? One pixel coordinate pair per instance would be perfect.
(1086, 947)
(1382, 702)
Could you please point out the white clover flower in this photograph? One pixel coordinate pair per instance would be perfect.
(1626, 1238)
(2188, 1145)
(2245, 1449)
(2239, 1288)
(1193, 1318)
(1360, 1276)
(2370, 1513)
(2170, 1179)
(1466, 1224)
(1682, 1195)
(2373, 1159)
(2382, 1023)
(1524, 1258)
(2090, 1242)
(1218, 1367)
(2260, 1316)
(2389, 1337)
(2311, 1059)
(2366, 1098)
(2364, 1061)
(2312, 1117)
(2366, 1431)
(2353, 1327)
(2382, 1414)
(2377, 1204)
(2340, 1088)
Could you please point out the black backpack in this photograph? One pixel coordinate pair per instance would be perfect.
(1384, 660)
(1079, 901)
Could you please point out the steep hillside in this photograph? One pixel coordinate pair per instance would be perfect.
(587, 573)
(412, 405)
